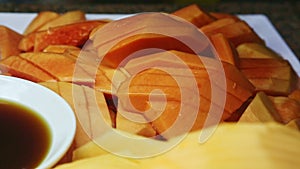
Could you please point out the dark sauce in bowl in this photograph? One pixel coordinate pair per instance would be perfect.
(25, 137)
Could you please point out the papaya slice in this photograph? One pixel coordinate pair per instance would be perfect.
(59, 66)
(225, 49)
(139, 90)
(255, 50)
(217, 25)
(74, 34)
(19, 67)
(88, 105)
(246, 63)
(237, 32)
(9, 42)
(60, 48)
(195, 15)
(41, 19)
(178, 60)
(287, 108)
(142, 129)
(63, 19)
(274, 76)
(147, 33)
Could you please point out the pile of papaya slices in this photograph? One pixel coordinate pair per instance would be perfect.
(68, 53)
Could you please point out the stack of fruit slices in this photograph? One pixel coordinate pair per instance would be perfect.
(261, 85)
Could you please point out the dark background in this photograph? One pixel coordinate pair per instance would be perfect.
(284, 14)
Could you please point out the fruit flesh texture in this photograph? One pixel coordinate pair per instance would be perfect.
(270, 145)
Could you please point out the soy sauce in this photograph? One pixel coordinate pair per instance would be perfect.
(24, 137)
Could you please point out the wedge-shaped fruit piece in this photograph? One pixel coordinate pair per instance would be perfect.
(73, 53)
(59, 66)
(217, 25)
(60, 48)
(19, 67)
(114, 75)
(283, 73)
(237, 32)
(167, 114)
(164, 116)
(142, 41)
(176, 119)
(131, 126)
(271, 146)
(261, 109)
(139, 96)
(176, 86)
(225, 49)
(105, 78)
(255, 50)
(55, 64)
(41, 19)
(194, 14)
(102, 83)
(272, 86)
(240, 32)
(108, 79)
(287, 108)
(295, 124)
(150, 81)
(98, 113)
(139, 93)
(69, 92)
(273, 76)
(27, 42)
(86, 102)
(66, 18)
(198, 65)
(119, 41)
(295, 94)
(74, 34)
(9, 42)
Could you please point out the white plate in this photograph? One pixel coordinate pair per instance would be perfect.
(55, 110)
(260, 23)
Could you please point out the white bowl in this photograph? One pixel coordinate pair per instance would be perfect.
(54, 109)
